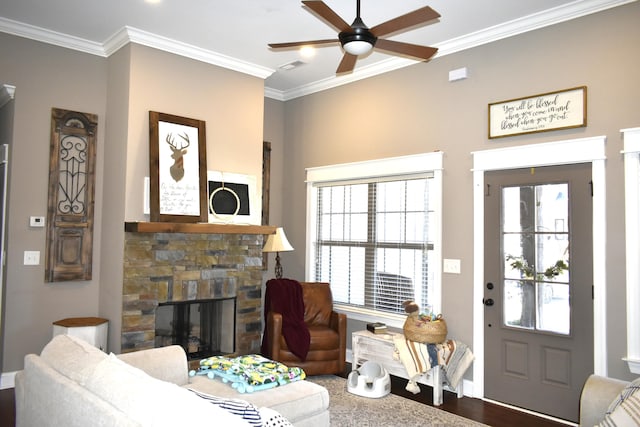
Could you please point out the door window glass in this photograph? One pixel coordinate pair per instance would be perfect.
(535, 245)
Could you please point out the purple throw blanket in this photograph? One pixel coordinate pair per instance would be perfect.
(284, 296)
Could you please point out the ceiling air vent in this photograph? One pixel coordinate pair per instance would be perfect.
(292, 65)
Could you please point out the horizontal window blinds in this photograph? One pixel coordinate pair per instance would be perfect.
(373, 240)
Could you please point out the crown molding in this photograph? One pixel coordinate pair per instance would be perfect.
(134, 35)
(51, 37)
(361, 73)
(528, 23)
(576, 9)
(272, 93)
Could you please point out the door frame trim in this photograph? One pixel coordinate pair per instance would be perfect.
(631, 153)
(582, 150)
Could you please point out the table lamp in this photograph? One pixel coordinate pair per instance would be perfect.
(277, 243)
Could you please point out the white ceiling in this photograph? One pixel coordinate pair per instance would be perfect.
(234, 33)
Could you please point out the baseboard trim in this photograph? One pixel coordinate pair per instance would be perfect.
(7, 380)
(527, 411)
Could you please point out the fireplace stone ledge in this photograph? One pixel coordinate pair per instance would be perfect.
(200, 227)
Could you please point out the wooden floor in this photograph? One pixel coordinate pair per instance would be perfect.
(475, 409)
(7, 408)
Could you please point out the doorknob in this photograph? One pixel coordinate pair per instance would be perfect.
(488, 301)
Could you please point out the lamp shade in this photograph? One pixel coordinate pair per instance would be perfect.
(277, 242)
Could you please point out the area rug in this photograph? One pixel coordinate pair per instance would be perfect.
(350, 410)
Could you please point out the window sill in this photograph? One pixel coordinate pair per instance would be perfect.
(634, 365)
(367, 315)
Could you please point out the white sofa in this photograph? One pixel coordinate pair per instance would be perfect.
(72, 383)
(598, 394)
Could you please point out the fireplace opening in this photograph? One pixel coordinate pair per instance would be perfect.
(203, 328)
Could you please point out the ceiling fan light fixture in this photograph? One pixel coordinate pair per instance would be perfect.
(357, 47)
(307, 51)
(359, 40)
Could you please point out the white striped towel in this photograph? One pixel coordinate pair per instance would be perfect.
(418, 358)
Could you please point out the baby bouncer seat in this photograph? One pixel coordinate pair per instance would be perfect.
(370, 380)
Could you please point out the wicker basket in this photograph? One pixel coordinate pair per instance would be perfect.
(425, 332)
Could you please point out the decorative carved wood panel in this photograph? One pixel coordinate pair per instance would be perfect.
(71, 196)
(266, 192)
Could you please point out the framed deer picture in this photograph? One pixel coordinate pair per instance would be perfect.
(178, 168)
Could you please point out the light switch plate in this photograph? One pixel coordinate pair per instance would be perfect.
(451, 266)
(31, 257)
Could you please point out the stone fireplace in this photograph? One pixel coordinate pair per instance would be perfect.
(173, 264)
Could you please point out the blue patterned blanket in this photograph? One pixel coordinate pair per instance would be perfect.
(249, 373)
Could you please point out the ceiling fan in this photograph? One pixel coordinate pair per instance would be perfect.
(357, 39)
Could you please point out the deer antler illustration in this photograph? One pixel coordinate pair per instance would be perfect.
(177, 169)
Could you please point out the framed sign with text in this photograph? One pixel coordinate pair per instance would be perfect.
(539, 113)
(178, 168)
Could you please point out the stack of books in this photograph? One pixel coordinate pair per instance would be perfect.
(377, 328)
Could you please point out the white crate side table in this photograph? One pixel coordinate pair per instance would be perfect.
(380, 348)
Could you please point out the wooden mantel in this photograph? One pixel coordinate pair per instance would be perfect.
(173, 227)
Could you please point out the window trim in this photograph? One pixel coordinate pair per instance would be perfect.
(631, 154)
(388, 167)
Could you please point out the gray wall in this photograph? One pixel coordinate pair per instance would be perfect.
(45, 76)
(274, 121)
(408, 111)
(143, 79)
(120, 90)
(416, 110)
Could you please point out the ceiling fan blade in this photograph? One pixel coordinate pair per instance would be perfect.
(305, 43)
(416, 17)
(327, 14)
(347, 64)
(422, 52)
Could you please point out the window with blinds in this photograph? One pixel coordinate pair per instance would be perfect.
(374, 240)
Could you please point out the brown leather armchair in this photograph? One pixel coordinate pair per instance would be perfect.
(327, 328)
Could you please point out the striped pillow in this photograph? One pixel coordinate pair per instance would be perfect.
(238, 407)
(625, 410)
